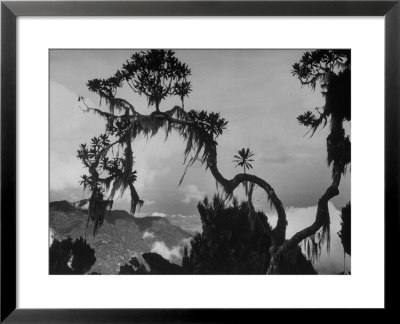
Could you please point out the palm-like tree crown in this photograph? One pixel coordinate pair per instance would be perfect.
(243, 159)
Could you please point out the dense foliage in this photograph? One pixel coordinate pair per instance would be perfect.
(331, 69)
(228, 245)
(156, 74)
(345, 232)
(71, 257)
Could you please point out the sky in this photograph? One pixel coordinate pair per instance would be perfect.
(252, 89)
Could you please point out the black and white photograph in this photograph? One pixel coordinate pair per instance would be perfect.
(200, 161)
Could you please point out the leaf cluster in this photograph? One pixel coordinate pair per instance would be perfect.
(243, 159)
(307, 119)
(209, 122)
(331, 68)
(88, 153)
(154, 73)
(99, 164)
(314, 65)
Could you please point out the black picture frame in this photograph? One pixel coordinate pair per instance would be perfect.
(11, 10)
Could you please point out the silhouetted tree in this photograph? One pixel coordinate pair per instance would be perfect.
(243, 159)
(157, 74)
(345, 232)
(331, 69)
(68, 257)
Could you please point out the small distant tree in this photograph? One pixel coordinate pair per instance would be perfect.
(243, 159)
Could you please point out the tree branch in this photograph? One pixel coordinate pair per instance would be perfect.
(125, 105)
(279, 232)
(321, 217)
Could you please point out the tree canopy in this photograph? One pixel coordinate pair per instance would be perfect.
(330, 69)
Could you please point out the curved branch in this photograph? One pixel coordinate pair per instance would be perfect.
(96, 110)
(321, 217)
(279, 232)
(115, 101)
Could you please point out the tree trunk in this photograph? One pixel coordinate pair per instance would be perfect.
(322, 216)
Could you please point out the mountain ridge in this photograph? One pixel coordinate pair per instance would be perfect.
(121, 237)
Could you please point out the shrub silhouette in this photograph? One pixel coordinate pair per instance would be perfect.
(157, 264)
(135, 267)
(228, 245)
(345, 232)
(68, 257)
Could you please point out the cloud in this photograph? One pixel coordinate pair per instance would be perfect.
(51, 232)
(191, 224)
(158, 214)
(186, 242)
(154, 158)
(146, 176)
(69, 127)
(182, 216)
(192, 193)
(167, 253)
(63, 173)
(148, 235)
